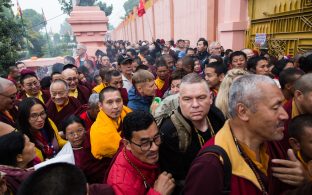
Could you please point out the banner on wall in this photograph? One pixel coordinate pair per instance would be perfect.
(260, 39)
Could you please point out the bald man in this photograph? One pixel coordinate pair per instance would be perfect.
(61, 106)
(8, 111)
(76, 90)
(5, 128)
(301, 103)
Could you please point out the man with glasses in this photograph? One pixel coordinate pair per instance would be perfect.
(7, 97)
(61, 105)
(215, 48)
(76, 90)
(31, 87)
(135, 170)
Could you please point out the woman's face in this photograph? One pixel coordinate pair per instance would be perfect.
(75, 134)
(29, 151)
(197, 67)
(37, 117)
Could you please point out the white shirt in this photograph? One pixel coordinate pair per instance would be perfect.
(126, 83)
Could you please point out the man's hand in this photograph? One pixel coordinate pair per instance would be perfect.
(290, 171)
(164, 183)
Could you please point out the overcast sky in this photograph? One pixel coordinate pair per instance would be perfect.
(52, 9)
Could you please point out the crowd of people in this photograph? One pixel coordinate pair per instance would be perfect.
(159, 118)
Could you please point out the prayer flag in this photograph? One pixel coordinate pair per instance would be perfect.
(44, 18)
(141, 9)
(19, 10)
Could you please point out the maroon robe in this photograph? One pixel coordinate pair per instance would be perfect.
(5, 119)
(73, 107)
(160, 92)
(203, 183)
(94, 169)
(14, 177)
(83, 94)
(124, 96)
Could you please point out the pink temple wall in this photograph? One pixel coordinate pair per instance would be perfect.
(222, 20)
(162, 21)
(190, 20)
(148, 25)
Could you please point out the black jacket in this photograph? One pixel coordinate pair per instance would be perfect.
(174, 161)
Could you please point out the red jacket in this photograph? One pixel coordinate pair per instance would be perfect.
(88, 122)
(126, 180)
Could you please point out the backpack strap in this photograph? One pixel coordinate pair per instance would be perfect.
(184, 130)
(227, 166)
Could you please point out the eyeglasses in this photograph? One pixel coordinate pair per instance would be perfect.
(35, 84)
(35, 116)
(60, 93)
(79, 132)
(70, 79)
(145, 146)
(12, 97)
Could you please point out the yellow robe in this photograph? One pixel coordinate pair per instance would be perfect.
(240, 168)
(98, 88)
(104, 137)
(61, 142)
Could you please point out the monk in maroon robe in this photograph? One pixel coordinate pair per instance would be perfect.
(60, 106)
(163, 77)
(8, 111)
(79, 139)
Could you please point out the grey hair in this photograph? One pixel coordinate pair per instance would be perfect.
(213, 44)
(246, 90)
(60, 81)
(193, 78)
(94, 99)
(4, 84)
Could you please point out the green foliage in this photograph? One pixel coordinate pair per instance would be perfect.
(107, 9)
(38, 42)
(33, 19)
(129, 5)
(11, 36)
(110, 26)
(66, 5)
(65, 28)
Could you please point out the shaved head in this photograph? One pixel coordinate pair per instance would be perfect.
(304, 83)
(71, 78)
(5, 129)
(7, 94)
(4, 84)
(68, 71)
